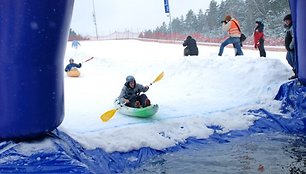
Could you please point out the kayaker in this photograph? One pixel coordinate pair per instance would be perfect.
(130, 94)
(72, 65)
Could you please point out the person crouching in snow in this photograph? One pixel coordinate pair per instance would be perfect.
(130, 94)
(72, 65)
(191, 47)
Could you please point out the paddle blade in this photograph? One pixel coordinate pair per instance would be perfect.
(108, 115)
(159, 77)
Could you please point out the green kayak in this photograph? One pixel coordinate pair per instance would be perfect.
(137, 112)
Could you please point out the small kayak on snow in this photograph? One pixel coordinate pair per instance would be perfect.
(137, 112)
(73, 73)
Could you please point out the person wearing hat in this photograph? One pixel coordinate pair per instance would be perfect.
(289, 44)
(231, 26)
(130, 94)
(72, 65)
(191, 47)
(259, 37)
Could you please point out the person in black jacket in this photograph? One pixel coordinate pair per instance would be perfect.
(289, 44)
(191, 47)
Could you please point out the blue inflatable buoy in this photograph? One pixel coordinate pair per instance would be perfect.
(33, 41)
(299, 25)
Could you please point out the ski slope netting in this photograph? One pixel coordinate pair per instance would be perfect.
(59, 153)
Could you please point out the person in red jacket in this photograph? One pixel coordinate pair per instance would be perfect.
(259, 38)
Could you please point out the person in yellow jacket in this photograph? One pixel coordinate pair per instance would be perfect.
(232, 27)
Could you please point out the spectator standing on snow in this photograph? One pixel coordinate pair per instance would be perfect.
(191, 47)
(289, 44)
(259, 37)
(232, 26)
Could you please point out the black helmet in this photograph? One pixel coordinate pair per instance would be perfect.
(258, 20)
(130, 78)
(287, 17)
(71, 60)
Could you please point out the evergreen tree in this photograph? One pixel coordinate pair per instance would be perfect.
(162, 29)
(245, 11)
(201, 22)
(191, 22)
(177, 26)
(74, 36)
(211, 16)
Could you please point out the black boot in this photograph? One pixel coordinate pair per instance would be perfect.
(293, 77)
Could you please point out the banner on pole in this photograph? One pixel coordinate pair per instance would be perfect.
(167, 10)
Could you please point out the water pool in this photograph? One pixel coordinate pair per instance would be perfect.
(258, 153)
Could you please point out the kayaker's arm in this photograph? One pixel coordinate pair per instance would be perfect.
(141, 88)
(124, 98)
(68, 67)
(122, 95)
(78, 65)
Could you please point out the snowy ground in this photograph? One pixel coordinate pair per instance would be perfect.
(195, 93)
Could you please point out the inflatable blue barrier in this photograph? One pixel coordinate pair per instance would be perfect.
(33, 42)
(299, 25)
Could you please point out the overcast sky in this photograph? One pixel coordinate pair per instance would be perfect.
(134, 15)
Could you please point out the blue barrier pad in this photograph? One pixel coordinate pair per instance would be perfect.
(59, 153)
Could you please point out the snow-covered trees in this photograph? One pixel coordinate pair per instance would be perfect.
(246, 11)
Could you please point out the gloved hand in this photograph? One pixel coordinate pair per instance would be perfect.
(80, 64)
(257, 45)
(126, 101)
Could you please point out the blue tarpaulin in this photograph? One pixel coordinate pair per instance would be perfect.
(59, 153)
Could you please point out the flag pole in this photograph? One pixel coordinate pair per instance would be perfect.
(167, 10)
(94, 19)
(170, 26)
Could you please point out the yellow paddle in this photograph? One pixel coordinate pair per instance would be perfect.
(109, 114)
(158, 78)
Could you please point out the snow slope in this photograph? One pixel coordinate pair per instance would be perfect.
(195, 93)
